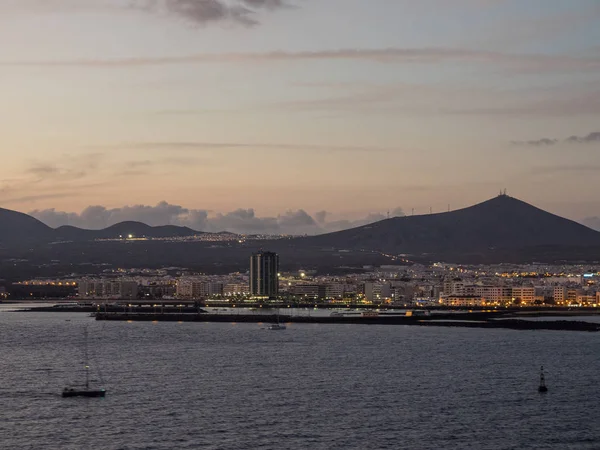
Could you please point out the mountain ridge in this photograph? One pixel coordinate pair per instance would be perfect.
(502, 221)
(502, 229)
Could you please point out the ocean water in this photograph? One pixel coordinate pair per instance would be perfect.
(237, 386)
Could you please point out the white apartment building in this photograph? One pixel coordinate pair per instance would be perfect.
(560, 294)
(334, 291)
(586, 299)
(463, 300)
(454, 287)
(377, 292)
(525, 294)
(115, 289)
(307, 290)
(192, 288)
(236, 289)
(492, 294)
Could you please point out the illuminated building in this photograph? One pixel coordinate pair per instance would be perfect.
(264, 275)
(525, 295)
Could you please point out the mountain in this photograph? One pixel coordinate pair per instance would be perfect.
(502, 229)
(497, 225)
(19, 227)
(123, 229)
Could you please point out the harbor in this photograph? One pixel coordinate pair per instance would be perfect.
(480, 319)
(559, 319)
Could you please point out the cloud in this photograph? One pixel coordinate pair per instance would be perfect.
(46, 171)
(191, 145)
(43, 170)
(392, 55)
(320, 217)
(398, 212)
(197, 12)
(591, 138)
(206, 11)
(33, 198)
(243, 221)
(537, 143)
(339, 225)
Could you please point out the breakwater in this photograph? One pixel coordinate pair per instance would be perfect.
(476, 320)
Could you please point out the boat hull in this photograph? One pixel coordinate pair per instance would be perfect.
(74, 393)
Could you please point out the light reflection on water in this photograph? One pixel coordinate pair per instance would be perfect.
(10, 307)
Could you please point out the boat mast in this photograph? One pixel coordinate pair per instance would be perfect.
(86, 366)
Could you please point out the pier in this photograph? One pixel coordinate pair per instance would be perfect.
(466, 320)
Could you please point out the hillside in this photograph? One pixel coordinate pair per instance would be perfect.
(498, 224)
(22, 228)
(19, 229)
(502, 229)
(123, 229)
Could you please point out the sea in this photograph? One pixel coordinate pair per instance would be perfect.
(312, 386)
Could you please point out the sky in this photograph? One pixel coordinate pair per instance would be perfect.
(296, 115)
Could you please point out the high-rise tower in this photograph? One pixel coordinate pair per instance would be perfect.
(264, 277)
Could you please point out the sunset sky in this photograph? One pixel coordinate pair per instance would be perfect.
(322, 110)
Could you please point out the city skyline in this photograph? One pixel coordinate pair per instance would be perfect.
(381, 106)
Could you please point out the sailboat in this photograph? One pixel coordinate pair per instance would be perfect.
(542, 387)
(276, 326)
(84, 391)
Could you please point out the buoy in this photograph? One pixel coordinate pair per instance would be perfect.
(542, 387)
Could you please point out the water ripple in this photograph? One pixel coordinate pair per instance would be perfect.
(222, 386)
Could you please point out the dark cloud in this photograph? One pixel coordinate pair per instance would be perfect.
(538, 143)
(590, 138)
(199, 12)
(593, 137)
(243, 221)
(203, 12)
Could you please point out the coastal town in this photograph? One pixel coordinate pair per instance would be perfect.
(415, 285)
